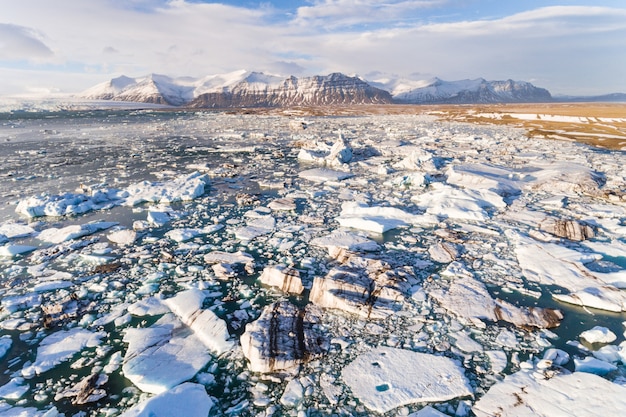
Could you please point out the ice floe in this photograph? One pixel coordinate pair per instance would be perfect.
(387, 378)
(187, 399)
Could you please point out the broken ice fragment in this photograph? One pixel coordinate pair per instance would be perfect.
(163, 355)
(284, 277)
(282, 338)
(59, 347)
(386, 378)
(187, 399)
(324, 175)
(598, 334)
(526, 394)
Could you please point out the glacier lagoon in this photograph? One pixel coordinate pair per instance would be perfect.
(270, 265)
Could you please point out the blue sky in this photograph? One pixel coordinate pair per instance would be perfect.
(66, 46)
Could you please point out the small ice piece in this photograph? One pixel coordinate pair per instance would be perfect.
(293, 394)
(386, 378)
(163, 355)
(255, 227)
(227, 258)
(556, 356)
(15, 230)
(444, 252)
(59, 347)
(497, 360)
(5, 344)
(507, 338)
(150, 306)
(209, 328)
(282, 338)
(123, 237)
(324, 175)
(465, 343)
(14, 389)
(594, 366)
(20, 302)
(10, 251)
(525, 395)
(598, 334)
(347, 240)
(283, 277)
(428, 411)
(282, 204)
(159, 218)
(187, 399)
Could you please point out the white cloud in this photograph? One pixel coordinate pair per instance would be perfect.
(562, 48)
(22, 43)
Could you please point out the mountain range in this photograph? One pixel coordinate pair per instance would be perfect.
(255, 89)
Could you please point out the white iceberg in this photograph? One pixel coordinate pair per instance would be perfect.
(187, 399)
(386, 378)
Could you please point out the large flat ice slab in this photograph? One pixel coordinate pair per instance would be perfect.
(524, 394)
(324, 175)
(163, 355)
(187, 399)
(386, 378)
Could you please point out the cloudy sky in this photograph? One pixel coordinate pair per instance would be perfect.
(66, 46)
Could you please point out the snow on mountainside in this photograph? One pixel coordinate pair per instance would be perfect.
(473, 91)
(256, 89)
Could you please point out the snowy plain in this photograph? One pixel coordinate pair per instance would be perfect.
(233, 264)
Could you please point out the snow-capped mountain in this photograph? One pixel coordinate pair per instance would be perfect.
(241, 89)
(256, 89)
(464, 91)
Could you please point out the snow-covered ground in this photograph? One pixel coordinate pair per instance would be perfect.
(182, 263)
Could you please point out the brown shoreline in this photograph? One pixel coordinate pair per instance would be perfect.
(592, 128)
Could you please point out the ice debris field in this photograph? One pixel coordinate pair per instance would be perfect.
(193, 264)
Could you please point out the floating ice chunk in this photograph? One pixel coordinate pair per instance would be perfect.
(562, 178)
(507, 338)
(598, 334)
(552, 264)
(20, 302)
(386, 378)
(497, 360)
(185, 234)
(282, 204)
(428, 411)
(10, 251)
(183, 188)
(293, 394)
(64, 204)
(347, 240)
(231, 259)
(55, 235)
(5, 344)
(163, 355)
(366, 287)
(337, 154)
(499, 180)
(283, 277)
(150, 306)
(417, 159)
(556, 356)
(448, 202)
(593, 366)
(159, 218)
(256, 227)
(16, 230)
(468, 299)
(209, 328)
(14, 389)
(187, 399)
(324, 175)
(59, 347)
(525, 395)
(377, 219)
(465, 343)
(282, 338)
(123, 237)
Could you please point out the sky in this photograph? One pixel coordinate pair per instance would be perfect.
(66, 46)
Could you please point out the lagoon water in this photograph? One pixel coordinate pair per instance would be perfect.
(477, 193)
